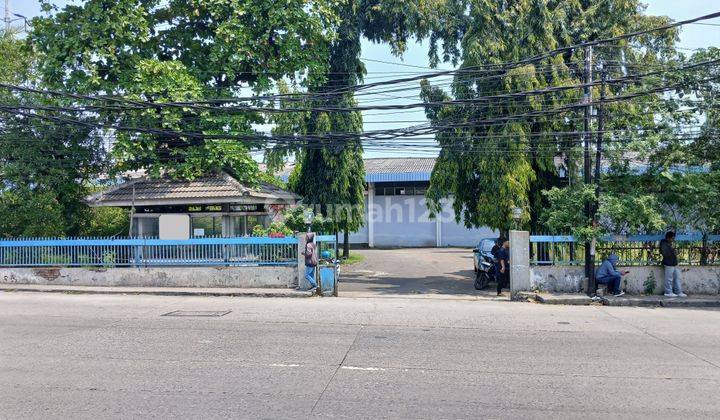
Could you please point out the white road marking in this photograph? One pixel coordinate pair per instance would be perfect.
(284, 365)
(361, 368)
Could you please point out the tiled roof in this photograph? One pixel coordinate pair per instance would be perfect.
(399, 165)
(220, 188)
(387, 169)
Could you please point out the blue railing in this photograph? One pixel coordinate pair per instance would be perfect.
(149, 252)
(632, 249)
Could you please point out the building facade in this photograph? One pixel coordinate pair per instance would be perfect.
(211, 206)
(396, 212)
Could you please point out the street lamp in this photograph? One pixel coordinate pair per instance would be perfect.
(517, 213)
(25, 21)
(308, 216)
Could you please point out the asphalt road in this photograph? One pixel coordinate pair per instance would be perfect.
(426, 271)
(90, 356)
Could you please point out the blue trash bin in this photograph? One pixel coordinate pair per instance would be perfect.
(327, 278)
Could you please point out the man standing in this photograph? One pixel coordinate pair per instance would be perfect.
(670, 262)
(608, 274)
(503, 257)
(310, 261)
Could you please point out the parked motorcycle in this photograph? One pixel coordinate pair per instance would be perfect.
(484, 264)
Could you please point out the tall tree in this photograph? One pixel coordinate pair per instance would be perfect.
(330, 173)
(491, 163)
(160, 50)
(45, 167)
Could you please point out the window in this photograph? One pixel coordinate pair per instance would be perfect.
(207, 226)
(238, 226)
(146, 227)
(401, 188)
(253, 221)
(243, 225)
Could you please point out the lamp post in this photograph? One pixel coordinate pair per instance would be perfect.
(24, 19)
(517, 213)
(308, 216)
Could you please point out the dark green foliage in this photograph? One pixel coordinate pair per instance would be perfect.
(509, 163)
(294, 219)
(180, 50)
(45, 167)
(107, 221)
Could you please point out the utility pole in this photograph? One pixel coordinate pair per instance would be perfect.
(587, 169)
(592, 283)
(599, 141)
(7, 16)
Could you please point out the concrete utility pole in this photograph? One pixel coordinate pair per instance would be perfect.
(592, 283)
(7, 16)
(587, 175)
(599, 141)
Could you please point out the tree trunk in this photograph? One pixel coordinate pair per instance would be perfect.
(346, 243)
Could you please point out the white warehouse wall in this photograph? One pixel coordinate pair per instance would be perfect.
(404, 221)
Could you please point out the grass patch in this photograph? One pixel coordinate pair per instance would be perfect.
(353, 259)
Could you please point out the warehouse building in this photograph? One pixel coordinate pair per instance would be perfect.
(396, 214)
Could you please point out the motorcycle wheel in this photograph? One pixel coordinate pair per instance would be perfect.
(481, 280)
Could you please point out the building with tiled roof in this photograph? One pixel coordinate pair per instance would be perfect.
(215, 189)
(214, 205)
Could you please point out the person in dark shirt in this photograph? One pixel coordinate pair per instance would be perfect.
(311, 261)
(673, 288)
(504, 262)
(496, 261)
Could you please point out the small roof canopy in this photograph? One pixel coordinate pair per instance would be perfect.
(213, 189)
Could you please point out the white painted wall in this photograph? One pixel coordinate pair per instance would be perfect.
(404, 221)
(174, 226)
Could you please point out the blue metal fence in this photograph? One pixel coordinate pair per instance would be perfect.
(632, 250)
(147, 252)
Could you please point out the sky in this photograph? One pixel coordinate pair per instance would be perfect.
(415, 61)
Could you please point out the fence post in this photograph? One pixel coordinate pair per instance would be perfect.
(519, 261)
(138, 255)
(300, 280)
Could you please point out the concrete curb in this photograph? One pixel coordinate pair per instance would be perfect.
(269, 293)
(658, 301)
(636, 301)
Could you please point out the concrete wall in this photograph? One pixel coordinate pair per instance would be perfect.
(403, 221)
(695, 280)
(361, 236)
(456, 234)
(240, 277)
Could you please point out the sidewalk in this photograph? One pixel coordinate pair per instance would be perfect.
(161, 291)
(696, 301)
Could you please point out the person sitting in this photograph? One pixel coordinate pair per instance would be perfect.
(608, 274)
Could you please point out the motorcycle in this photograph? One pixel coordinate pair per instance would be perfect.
(484, 264)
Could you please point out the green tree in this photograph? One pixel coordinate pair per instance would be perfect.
(160, 51)
(107, 221)
(625, 214)
(491, 163)
(45, 167)
(330, 172)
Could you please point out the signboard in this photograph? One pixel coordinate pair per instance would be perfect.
(174, 226)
